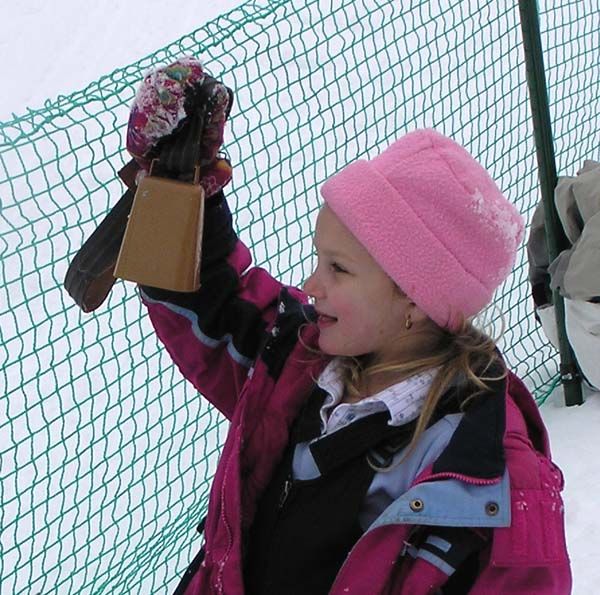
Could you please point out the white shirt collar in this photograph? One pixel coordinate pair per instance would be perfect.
(404, 400)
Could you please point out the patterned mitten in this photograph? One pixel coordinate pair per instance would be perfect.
(178, 116)
(176, 125)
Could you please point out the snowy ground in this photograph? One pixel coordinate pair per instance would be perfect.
(54, 48)
(574, 440)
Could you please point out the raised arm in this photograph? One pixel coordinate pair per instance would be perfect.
(214, 334)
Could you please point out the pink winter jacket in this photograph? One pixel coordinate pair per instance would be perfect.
(237, 341)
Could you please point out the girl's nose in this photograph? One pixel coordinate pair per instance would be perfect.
(311, 286)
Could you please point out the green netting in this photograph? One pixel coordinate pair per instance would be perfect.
(106, 453)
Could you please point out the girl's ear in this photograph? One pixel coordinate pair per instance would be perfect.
(411, 309)
(417, 315)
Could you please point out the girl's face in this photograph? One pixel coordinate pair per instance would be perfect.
(360, 309)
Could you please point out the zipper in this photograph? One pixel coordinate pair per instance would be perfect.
(283, 497)
(285, 492)
(463, 478)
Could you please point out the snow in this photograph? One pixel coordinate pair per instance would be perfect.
(574, 442)
(56, 48)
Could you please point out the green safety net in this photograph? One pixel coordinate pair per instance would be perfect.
(106, 453)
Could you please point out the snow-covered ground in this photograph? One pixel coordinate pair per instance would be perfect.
(56, 48)
(574, 436)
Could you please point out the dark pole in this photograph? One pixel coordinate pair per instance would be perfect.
(555, 236)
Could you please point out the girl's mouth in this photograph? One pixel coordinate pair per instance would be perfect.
(324, 321)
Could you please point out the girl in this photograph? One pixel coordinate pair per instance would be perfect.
(378, 443)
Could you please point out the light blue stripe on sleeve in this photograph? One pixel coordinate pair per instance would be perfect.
(203, 338)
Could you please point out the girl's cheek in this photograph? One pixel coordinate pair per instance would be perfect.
(344, 310)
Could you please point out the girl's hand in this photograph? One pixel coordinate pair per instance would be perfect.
(176, 125)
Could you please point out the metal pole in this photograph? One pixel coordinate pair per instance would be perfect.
(555, 236)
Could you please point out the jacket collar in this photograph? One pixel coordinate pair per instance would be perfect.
(481, 431)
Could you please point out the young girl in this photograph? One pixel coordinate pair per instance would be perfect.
(377, 441)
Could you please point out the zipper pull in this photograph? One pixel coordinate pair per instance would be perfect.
(287, 486)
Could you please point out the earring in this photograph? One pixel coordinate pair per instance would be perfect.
(408, 322)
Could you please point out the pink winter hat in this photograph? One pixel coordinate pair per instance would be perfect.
(433, 219)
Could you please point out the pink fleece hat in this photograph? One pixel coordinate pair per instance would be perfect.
(433, 219)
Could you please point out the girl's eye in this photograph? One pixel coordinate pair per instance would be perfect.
(337, 268)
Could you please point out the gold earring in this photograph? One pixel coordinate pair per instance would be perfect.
(408, 323)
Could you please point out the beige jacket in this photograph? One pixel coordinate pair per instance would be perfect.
(576, 271)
